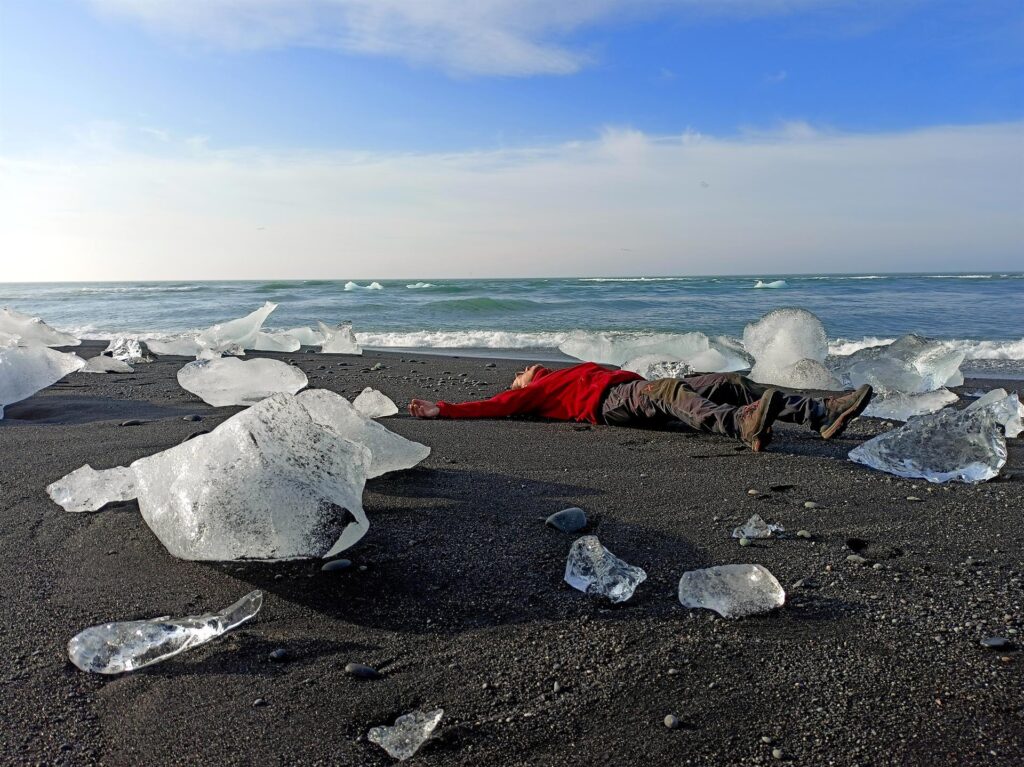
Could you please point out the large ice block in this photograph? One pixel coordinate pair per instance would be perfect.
(127, 350)
(101, 363)
(88, 489)
(732, 591)
(903, 407)
(410, 731)
(910, 365)
(276, 342)
(339, 340)
(32, 331)
(24, 370)
(175, 346)
(306, 336)
(373, 404)
(1006, 407)
(785, 343)
(960, 445)
(236, 334)
(113, 648)
(696, 349)
(231, 381)
(592, 569)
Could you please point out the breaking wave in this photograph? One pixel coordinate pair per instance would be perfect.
(356, 286)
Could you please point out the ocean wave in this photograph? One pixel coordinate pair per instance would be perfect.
(640, 279)
(959, 276)
(420, 285)
(270, 287)
(357, 286)
(463, 339)
(484, 305)
(89, 289)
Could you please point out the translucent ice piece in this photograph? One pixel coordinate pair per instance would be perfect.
(231, 381)
(276, 342)
(1007, 408)
(271, 482)
(696, 349)
(127, 350)
(755, 527)
(911, 364)
(732, 591)
(356, 286)
(653, 367)
(781, 339)
(339, 340)
(86, 489)
(772, 284)
(114, 648)
(903, 407)
(236, 334)
(807, 374)
(32, 331)
(306, 336)
(373, 404)
(407, 734)
(24, 370)
(886, 375)
(175, 346)
(962, 445)
(592, 569)
(104, 364)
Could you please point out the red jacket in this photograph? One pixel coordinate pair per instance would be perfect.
(572, 394)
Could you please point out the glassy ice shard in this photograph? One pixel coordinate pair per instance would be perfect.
(654, 366)
(104, 364)
(175, 346)
(910, 365)
(236, 334)
(756, 527)
(696, 349)
(732, 591)
(1007, 409)
(32, 331)
(127, 349)
(114, 648)
(86, 489)
(373, 404)
(903, 407)
(410, 731)
(231, 381)
(276, 342)
(306, 336)
(24, 370)
(962, 445)
(339, 340)
(592, 569)
(785, 343)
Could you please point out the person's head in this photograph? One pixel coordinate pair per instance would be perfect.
(525, 377)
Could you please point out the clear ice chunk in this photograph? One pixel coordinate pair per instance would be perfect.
(1007, 408)
(236, 334)
(101, 363)
(175, 346)
(113, 648)
(127, 350)
(592, 569)
(373, 404)
(306, 336)
(24, 370)
(88, 489)
(339, 340)
(732, 591)
(809, 374)
(410, 731)
(961, 445)
(276, 342)
(32, 331)
(653, 366)
(756, 527)
(696, 349)
(231, 381)
(784, 343)
(903, 407)
(911, 364)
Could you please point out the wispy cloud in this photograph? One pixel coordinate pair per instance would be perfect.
(774, 78)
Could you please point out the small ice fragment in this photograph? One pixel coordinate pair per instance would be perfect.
(231, 381)
(1007, 408)
(592, 569)
(24, 370)
(373, 404)
(407, 734)
(732, 591)
(113, 648)
(104, 364)
(127, 350)
(785, 343)
(276, 342)
(655, 366)
(772, 284)
(86, 489)
(339, 340)
(32, 331)
(962, 445)
(756, 527)
(236, 334)
(903, 407)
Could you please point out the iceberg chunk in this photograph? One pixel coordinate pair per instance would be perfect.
(175, 346)
(785, 344)
(962, 445)
(86, 489)
(231, 381)
(24, 370)
(114, 648)
(903, 407)
(306, 336)
(32, 331)
(696, 349)
(276, 342)
(756, 527)
(236, 334)
(127, 350)
(356, 286)
(911, 364)
(1007, 408)
(104, 364)
(653, 367)
(772, 284)
(339, 340)
(592, 569)
(407, 734)
(373, 404)
(732, 591)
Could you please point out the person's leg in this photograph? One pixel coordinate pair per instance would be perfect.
(735, 389)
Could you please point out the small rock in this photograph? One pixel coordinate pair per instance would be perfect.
(672, 722)
(259, 702)
(569, 520)
(803, 533)
(777, 753)
(336, 565)
(766, 740)
(811, 505)
(744, 542)
(556, 687)
(876, 566)
(280, 655)
(752, 491)
(490, 365)
(913, 498)
(996, 643)
(361, 671)
(856, 559)
(192, 418)
(133, 422)
(377, 366)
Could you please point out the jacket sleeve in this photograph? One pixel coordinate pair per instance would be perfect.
(511, 402)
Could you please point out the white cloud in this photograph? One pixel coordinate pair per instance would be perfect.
(798, 200)
(489, 37)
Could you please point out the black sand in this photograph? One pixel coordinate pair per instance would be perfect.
(456, 595)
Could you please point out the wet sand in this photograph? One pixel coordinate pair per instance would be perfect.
(456, 596)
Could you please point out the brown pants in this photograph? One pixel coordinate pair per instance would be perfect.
(708, 402)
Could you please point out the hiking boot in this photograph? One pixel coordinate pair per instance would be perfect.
(754, 421)
(839, 411)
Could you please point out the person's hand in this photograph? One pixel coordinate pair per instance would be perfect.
(421, 408)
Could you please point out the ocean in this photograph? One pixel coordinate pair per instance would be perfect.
(983, 313)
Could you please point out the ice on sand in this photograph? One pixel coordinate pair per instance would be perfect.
(236, 334)
(231, 381)
(910, 365)
(104, 364)
(756, 527)
(32, 331)
(276, 342)
(127, 350)
(653, 367)
(592, 569)
(410, 731)
(961, 445)
(732, 591)
(113, 648)
(89, 489)
(695, 349)
(175, 346)
(306, 336)
(339, 340)
(24, 370)
(373, 404)
(789, 348)
(903, 407)
(1007, 408)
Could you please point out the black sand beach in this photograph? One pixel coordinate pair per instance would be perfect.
(456, 596)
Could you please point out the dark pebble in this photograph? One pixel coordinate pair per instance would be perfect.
(133, 422)
(280, 655)
(997, 643)
(568, 520)
(490, 365)
(780, 488)
(192, 418)
(856, 544)
(259, 702)
(672, 722)
(336, 565)
(361, 671)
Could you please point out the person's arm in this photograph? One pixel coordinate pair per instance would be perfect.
(510, 402)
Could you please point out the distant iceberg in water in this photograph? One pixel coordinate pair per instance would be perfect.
(773, 284)
(357, 286)
(417, 285)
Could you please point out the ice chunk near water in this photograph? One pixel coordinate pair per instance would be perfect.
(272, 482)
(732, 591)
(231, 381)
(809, 374)
(1007, 408)
(236, 334)
(86, 489)
(592, 569)
(114, 648)
(104, 364)
(373, 404)
(961, 445)
(407, 734)
(772, 284)
(911, 364)
(24, 370)
(789, 348)
(653, 367)
(339, 340)
(356, 286)
(756, 527)
(127, 350)
(903, 407)
(32, 331)
(696, 349)
(175, 346)
(276, 342)
(306, 336)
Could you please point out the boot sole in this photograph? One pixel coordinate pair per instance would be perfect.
(771, 405)
(844, 418)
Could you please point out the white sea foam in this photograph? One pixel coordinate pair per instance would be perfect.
(841, 347)
(420, 285)
(357, 286)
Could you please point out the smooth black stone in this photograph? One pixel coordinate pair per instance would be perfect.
(336, 565)
(280, 655)
(133, 422)
(997, 643)
(192, 418)
(568, 520)
(361, 671)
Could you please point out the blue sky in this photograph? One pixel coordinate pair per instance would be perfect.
(191, 86)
